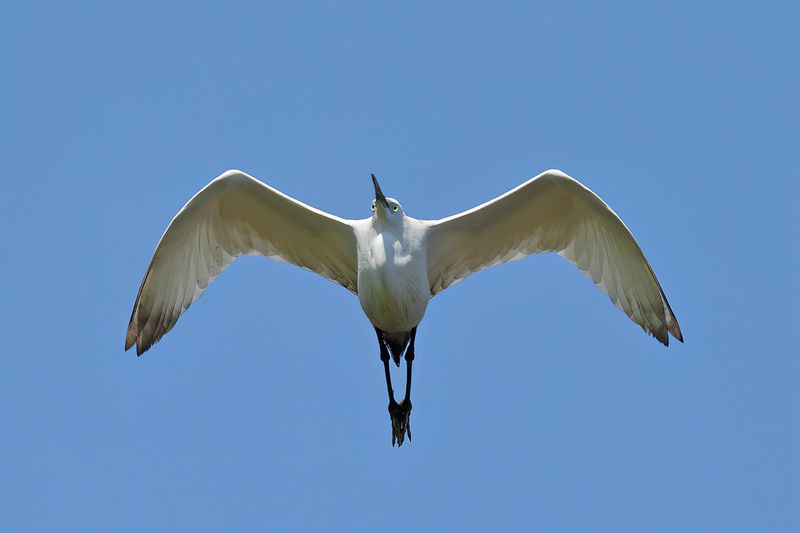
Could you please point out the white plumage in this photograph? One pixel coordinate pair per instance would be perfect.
(393, 262)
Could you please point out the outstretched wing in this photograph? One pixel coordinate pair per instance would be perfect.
(553, 213)
(234, 215)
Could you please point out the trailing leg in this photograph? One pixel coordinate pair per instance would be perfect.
(398, 412)
(405, 403)
(401, 412)
(385, 361)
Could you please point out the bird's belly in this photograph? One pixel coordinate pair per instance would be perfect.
(393, 302)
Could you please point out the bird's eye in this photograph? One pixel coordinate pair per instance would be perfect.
(372, 207)
(395, 208)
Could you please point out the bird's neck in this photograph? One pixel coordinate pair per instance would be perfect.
(383, 225)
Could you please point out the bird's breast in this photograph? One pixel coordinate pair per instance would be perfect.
(392, 283)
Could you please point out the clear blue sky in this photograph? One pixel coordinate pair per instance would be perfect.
(537, 405)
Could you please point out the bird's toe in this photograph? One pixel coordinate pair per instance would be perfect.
(400, 414)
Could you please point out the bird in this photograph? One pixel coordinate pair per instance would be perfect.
(392, 262)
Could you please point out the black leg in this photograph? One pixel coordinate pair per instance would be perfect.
(405, 405)
(385, 361)
(399, 413)
(409, 360)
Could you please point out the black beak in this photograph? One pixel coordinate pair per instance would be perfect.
(379, 193)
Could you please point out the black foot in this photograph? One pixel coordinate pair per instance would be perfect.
(400, 414)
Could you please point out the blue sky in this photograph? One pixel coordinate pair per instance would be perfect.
(537, 405)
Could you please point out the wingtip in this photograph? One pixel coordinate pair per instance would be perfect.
(139, 348)
(130, 339)
(674, 331)
(674, 328)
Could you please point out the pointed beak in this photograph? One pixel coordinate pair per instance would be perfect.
(379, 197)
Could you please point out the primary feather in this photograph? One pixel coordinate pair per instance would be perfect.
(553, 213)
(234, 215)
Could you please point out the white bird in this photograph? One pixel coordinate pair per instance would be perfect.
(394, 263)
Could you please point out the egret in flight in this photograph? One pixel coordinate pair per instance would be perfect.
(394, 263)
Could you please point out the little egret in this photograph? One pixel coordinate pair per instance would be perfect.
(394, 263)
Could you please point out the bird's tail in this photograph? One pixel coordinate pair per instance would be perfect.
(397, 343)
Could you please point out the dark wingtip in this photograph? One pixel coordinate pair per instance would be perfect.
(131, 340)
(130, 334)
(661, 336)
(675, 328)
(665, 339)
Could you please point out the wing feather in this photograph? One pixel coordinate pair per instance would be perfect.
(553, 213)
(234, 215)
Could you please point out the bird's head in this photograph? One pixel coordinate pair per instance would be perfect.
(385, 208)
